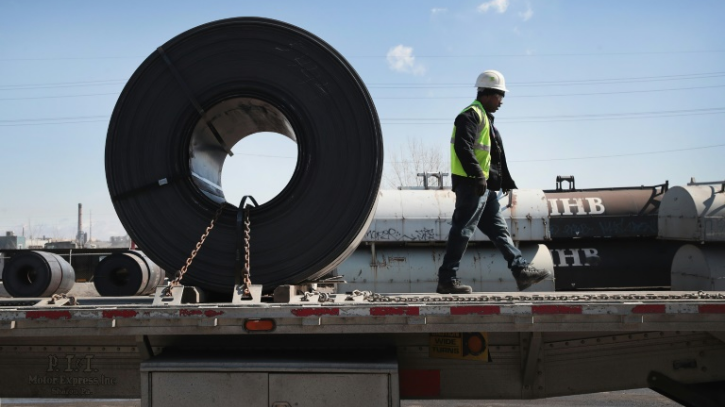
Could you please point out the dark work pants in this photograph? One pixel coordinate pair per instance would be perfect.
(483, 212)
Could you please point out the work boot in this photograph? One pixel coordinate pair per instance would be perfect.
(453, 286)
(528, 276)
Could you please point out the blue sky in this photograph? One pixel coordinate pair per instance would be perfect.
(616, 93)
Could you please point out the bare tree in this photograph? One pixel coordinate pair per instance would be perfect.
(411, 160)
(35, 230)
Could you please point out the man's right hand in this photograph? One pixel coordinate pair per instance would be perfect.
(481, 186)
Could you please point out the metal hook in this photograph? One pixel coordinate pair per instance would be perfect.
(244, 200)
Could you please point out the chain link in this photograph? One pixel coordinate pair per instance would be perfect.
(72, 300)
(374, 297)
(247, 229)
(180, 274)
(247, 238)
(321, 297)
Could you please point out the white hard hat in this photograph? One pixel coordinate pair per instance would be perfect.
(491, 79)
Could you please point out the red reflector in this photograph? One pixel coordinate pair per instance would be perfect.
(416, 383)
(259, 324)
(556, 309)
(649, 309)
(712, 309)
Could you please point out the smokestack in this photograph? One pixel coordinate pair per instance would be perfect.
(79, 236)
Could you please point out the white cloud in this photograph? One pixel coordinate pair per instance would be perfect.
(401, 59)
(498, 5)
(437, 11)
(526, 15)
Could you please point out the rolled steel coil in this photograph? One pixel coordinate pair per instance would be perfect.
(127, 274)
(37, 274)
(199, 94)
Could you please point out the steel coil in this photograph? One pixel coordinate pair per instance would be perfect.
(127, 274)
(199, 94)
(37, 274)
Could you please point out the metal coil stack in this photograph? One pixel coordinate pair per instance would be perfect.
(127, 274)
(37, 274)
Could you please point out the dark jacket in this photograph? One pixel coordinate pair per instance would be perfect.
(467, 133)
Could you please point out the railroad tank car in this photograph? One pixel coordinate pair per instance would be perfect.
(695, 213)
(608, 238)
(699, 268)
(413, 268)
(423, 216)
(601, 238)
(603, 264)
(629, 212)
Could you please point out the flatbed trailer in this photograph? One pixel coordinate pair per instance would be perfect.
(362, 348)
(193, 99)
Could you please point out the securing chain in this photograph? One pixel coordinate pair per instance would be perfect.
(242, 271)
(72, 300)
(180, 274)
(375, 297)
(246, 271)
(320, 296)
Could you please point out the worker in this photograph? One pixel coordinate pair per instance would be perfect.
(478, 168)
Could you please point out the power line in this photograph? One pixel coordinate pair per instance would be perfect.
(522, 55)
(598, 156)
(714, 110)
(622, 155)
(520, 119)
(557, 95)
(609, 118)
(57, 120)
(606, 81)
(634, 114)
(569, 54)
(61, 96)
(636, 78)
(419, 98)
(67, 58)
(62, 84)
(53, 118)
(585, 117)
(704, 75)
(41, 124)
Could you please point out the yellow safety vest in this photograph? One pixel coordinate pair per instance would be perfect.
(481, 148)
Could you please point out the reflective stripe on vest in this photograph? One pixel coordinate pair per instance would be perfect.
(482, 146)
(475, 146)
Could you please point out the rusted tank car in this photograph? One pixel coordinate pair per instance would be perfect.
(603, 264)
(600, 238)
(629, 212)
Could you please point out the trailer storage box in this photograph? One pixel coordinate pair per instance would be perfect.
(278, 380)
